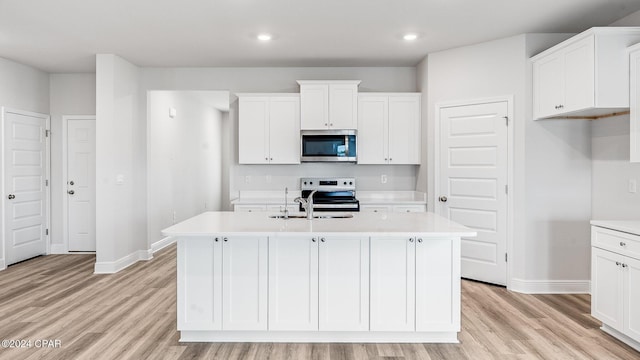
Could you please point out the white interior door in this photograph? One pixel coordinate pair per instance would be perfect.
(81, 184)
(472, 184)
(24, 187)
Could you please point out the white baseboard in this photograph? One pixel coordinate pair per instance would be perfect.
(2, 265)
(59, 249)
(550, 286)
(112, 267)
(620, 336)
(161, 244)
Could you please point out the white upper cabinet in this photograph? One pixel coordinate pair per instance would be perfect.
(328, 104)
(269, 129)
(389, 128)
(584, 76)
(634, 102)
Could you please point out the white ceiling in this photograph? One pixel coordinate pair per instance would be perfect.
(64, 35)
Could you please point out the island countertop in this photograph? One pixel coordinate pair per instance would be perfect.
(247, 223)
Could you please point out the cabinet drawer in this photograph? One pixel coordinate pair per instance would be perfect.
(250, 208)
(410, 208)
(375, 208)
(616, 241)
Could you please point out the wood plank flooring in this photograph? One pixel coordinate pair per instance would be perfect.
(132, 315)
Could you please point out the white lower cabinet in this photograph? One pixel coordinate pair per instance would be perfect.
(344, 283)
(615, 283)
(244, 282)
(199, 272)
(293, 283)
(318, 283)
(393, 283)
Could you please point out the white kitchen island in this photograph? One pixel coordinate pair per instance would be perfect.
(245, 277)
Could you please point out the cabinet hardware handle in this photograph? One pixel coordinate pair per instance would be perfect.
(71, 192)
(624, 265)
(331, 124)
(410, 239)
(390, 159)
(313, 239)
(618, 263)
(71, 183)
(11, 197)
(266, 158)
(225, 239)
(322, 239)
(419, 240)
(385, 159)
(623, 243)
(217, 239)
(270, 158)
(326, 124)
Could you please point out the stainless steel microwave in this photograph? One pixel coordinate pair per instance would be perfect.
(328, 145)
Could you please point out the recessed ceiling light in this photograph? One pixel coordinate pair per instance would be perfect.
(264, 37)
(410, 37)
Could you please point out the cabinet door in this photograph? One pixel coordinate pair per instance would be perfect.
(392, 284)
(607, 287)
(284, 130)
(344, 283)
(244, 283)
(343, 106)
(199, 284)
(632, 298)
(436, 285)
(548, 85)
(579, 91)
(253, 130)
(404, 130)
(293, 283)
(314, 107)
(373, 121)
(634, 103)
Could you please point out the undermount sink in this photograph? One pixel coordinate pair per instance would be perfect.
(328, 216)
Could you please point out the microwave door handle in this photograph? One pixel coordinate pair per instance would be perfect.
(346, 145)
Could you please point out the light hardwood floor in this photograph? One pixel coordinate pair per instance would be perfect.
(132, 315)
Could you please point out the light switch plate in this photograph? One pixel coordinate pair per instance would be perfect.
(633, 186)
(383, 179)
(172, 112)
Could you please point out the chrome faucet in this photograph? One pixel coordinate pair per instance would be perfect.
(286, 209)
(307, 204)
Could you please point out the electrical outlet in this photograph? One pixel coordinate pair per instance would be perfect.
(633, 186)
(383, 179)
(174, 215)
(247, 179)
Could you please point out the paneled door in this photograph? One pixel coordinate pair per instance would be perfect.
(81, 183)
(473, 184)
(25, 184)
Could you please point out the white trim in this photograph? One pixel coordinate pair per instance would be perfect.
(112, 267)
(620, 336)
(2, 266)
(551, 286)
(510, 164)
(47, 199)
(65, 179)
(59, 249)
(320, 336)
(163, 243)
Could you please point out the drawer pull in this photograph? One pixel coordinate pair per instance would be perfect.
(618, 263)
(623, 243)
(624, 265)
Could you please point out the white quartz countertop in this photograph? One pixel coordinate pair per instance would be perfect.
(251, 223)
(365, 197)
(628, 226)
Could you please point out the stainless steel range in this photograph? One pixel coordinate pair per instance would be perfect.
(332, 194)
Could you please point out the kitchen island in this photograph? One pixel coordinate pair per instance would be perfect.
(246, 277)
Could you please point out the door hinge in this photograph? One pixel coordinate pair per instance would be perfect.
(506, 120)
(47, 132)
(46, 232)
(506, 189)
(46, 182)
(505, 257)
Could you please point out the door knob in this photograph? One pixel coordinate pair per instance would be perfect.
(443, 199)
(11, 197)
(71, 192)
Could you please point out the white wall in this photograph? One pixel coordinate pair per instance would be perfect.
(184, 157)
(121, 231)
(70, 94)
(284, 80)
(629, 20)
(24, 88)
(552, 158)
